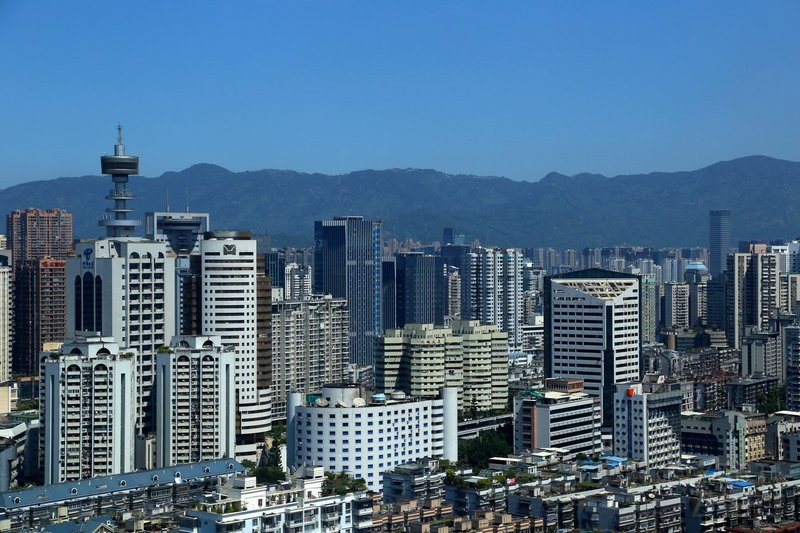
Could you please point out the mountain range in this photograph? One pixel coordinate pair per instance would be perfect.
(656, 209)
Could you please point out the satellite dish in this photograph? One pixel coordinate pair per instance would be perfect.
(321, 402)
(359, 402)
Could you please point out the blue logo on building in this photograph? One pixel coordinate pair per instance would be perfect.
(88, 261)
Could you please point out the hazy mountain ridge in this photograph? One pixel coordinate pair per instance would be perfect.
(657, 209)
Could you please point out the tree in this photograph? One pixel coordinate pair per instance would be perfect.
(771, 401)
(341, 484)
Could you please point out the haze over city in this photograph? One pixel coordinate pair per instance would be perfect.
(508, 88)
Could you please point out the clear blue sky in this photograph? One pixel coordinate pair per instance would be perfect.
(495, 88)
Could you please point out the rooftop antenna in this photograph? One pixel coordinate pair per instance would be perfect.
(167, 198)
(187, 200)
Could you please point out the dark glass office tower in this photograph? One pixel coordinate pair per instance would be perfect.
(347, 264)
(719, 240)
(419, 289)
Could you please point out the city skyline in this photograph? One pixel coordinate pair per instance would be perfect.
(511, 90)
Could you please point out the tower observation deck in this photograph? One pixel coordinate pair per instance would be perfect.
(119, 166)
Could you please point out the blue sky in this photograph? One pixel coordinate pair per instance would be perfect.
(493, 88)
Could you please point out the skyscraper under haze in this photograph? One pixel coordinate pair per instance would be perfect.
(348, 264)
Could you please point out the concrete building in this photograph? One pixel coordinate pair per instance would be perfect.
(232, 304)
(485, 364)
(452, 289)
(676, 305)
(297, 282)
(181, 232)
(295, 506)
(344, 432)
(310, 343)
(735, 437)
(6, 321)
(413, 481)
(792, 355)
(34, 234)
(87, 410)
(40, 310)
(696, 275)
(419, 360)
(567, 418)
(592, 331)
(496, 290)
(140, 494)
(123, 286)
(752, 293)
(747, 390)
(196, 399)
(348, 264)
(13, 443)
(647, 422)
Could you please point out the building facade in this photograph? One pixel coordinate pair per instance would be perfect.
(37, 233)
(592, 331)
(647, 422)
(344, 432)
(310, 344)
(231, 303)
(719, 240)
(87, 410)
(566, 418)
(196, 399)
(348, 264)
(40, 309)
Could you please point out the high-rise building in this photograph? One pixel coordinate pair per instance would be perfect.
(40, 308)
(40, 242)
(452, 291)
(752, 293)
(676, 305)
(592, 331)
(297, 282)
(792, 355)
(719, 240)
(310, 343)
(419, 360)
(232, 299)
(485, 358)
(325, 432)
(647, 422)
(123, 287)
(182, 232)
(419, 289)
(458, 256)
(37, 233)
(196, 398)
(453, 235)
(87, 410)
(696, 275)
(276, 266)
(6, 313)
(649, 311)
(348, 264)
(496, 290)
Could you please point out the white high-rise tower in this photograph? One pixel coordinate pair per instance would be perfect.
(229, 274)
(122, 286)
